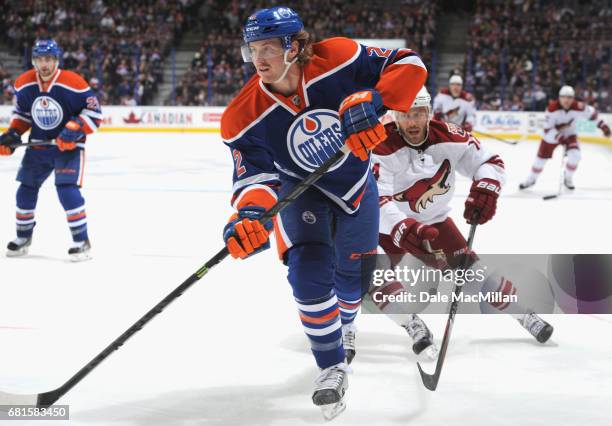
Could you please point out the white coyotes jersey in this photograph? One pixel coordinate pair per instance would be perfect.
(459, 110)
(562, 123)
(419, 182)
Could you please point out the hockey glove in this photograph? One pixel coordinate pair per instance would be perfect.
(359, 114)
(483, 197)
(467, 127)
(410, 235)
(71, 134)
(10, 137)
(604, 128)
(244, 235)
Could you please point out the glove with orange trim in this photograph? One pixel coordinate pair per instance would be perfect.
(244, 235)
(72, 133)
(10, 137)
(359, 114)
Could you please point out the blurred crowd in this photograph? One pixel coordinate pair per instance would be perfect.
(118, 46)
(521, 52)
(217, 72)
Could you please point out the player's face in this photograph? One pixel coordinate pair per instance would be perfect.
(268, 58)
(455, 89)
(566, 101)
(413, 124)
(45, 65)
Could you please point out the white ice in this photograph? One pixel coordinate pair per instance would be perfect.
(231, 350)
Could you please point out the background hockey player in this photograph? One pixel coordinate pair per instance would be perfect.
(560, 129)
(305, 100)
(415, 169)
(53, 104)
(454, 105)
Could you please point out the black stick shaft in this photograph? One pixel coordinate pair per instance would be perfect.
(35, 142)
(431, 380)
(48, 398)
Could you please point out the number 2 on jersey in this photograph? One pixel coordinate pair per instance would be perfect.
(240, 169)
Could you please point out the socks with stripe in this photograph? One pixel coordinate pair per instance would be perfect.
(74, 204)
(27, 197)
(322, 325)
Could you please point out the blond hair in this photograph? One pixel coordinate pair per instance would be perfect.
(303, 38)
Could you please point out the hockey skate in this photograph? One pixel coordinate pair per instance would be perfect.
(527, 183)
(18, 247)
(330, 387)
(349, 331)
(80, 251)
(538, 328)
(568, 181)
(421, 336)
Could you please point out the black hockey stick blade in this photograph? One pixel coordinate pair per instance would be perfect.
(550, 197)
(46, 399)
(430, 381)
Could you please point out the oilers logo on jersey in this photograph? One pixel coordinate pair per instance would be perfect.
(47, 113)
(315, 137)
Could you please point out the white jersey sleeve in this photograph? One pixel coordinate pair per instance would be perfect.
(476, 163)
(385, 171)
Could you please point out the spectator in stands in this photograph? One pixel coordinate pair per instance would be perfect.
(220, 63)
(117, 42)
(529, 48)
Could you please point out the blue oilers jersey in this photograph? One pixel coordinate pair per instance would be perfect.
(46, 107)
(274, 137)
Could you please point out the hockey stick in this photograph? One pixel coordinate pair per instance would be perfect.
(46, 399)
(489, 135)
(431, 380)
(33, 142)
(558, 194)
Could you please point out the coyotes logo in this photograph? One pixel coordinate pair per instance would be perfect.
(423, 191)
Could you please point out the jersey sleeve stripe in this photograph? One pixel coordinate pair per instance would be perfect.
(259, 178)
(92, 114)
(90, 126)
(17, 116)
(20, 125)
(72, 89)
(20, 88)
(411, 76)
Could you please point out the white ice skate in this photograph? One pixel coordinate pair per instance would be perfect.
(537, 327)
(330, 387)
(80, 251)
(18, 247)
(421, 336)
(349, 331)
(568, 181)
(528, 183)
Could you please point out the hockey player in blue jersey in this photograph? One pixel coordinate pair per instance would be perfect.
(305, 101)
(53, 104)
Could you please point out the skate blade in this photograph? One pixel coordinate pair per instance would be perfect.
(80, 257)
(17, 253)
(331, 411)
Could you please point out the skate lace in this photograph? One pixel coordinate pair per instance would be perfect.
(332, 377)
(416, 329)
(533, 323)
(348, 337)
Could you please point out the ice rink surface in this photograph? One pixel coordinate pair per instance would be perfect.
(231, 351)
